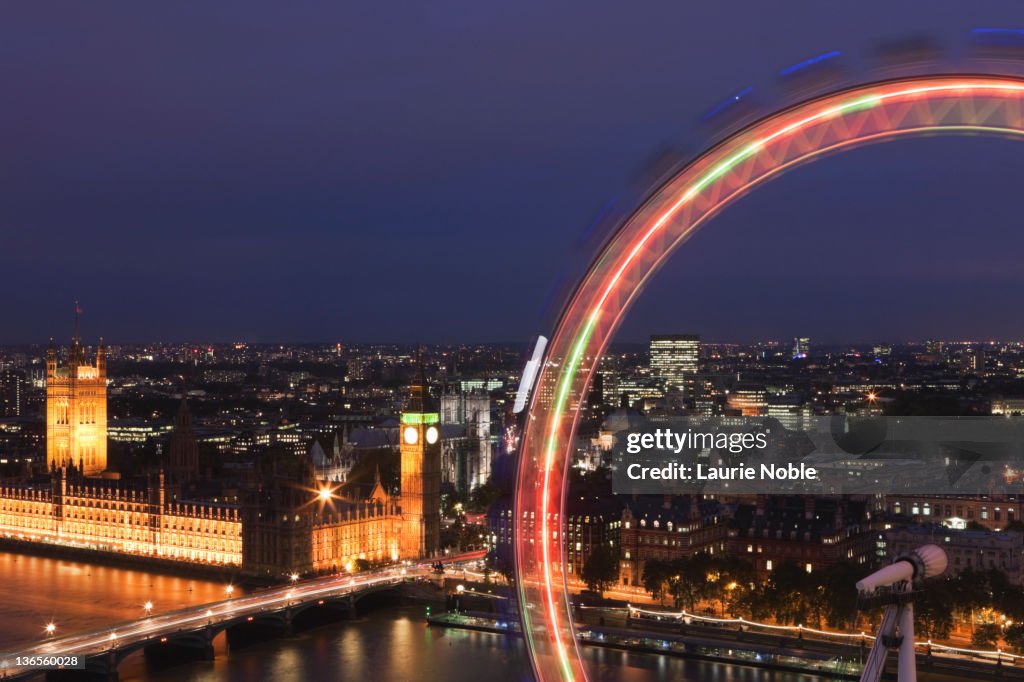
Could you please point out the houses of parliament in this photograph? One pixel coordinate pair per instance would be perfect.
(285, 522)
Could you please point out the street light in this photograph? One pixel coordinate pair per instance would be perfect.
(294, 577)
(51, 628)
(325, 494)
(229, 590)
(148, 606)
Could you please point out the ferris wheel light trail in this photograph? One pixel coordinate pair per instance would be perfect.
(859, 115)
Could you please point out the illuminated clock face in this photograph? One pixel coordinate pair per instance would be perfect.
(411, 435)
(432, 435)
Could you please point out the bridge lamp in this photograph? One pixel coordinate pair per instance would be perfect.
(460, 589)
(148, 606)
(51, 628)
(325, 494)
(229, 590)
(113, 636)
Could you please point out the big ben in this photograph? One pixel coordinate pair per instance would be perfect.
(420, 434)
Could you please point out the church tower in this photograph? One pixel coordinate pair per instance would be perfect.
(76, 409)
(421, 474)
(184, 450)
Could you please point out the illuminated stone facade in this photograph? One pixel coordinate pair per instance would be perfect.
(289, 521)
(294, 522)
(76, 410)
(345, 534)
(107, 515)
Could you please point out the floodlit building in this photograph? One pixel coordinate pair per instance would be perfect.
(674, 360)
(76, 410)
(291, 519)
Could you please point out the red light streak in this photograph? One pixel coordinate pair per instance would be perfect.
(852, 117)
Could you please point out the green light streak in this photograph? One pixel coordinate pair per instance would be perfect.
(717, 172)
(421, 418)
(861, 104)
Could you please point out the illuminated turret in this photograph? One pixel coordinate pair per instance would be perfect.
(76, 408)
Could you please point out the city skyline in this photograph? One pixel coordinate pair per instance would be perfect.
(525, 340)
(305, 465)
(641, 341)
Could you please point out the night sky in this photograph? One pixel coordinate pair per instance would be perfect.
(424, 172)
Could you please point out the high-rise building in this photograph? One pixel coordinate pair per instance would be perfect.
(801, 347)
(751, 400)
(76, 410)
(12, 393)
(972, 361)
(674, 360)
(421, 474)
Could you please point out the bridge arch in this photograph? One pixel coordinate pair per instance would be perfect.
(946, 104)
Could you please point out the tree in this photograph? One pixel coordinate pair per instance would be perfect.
(500, 559)
(601, 569)
(1014, 636)
(731, 578)
(968, 592)
(483, 497)
(688, 581)
(933, 610)
(985, 636)
(792, 593)
(656, 574)
(840, 595)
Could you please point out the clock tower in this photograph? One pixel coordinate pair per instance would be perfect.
(420, 436)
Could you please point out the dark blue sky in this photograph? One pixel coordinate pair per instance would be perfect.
(388, 171)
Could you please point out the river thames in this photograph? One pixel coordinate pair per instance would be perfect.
(387, 644)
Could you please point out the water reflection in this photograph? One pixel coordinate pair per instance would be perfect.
(78, 596)
(392, 644)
